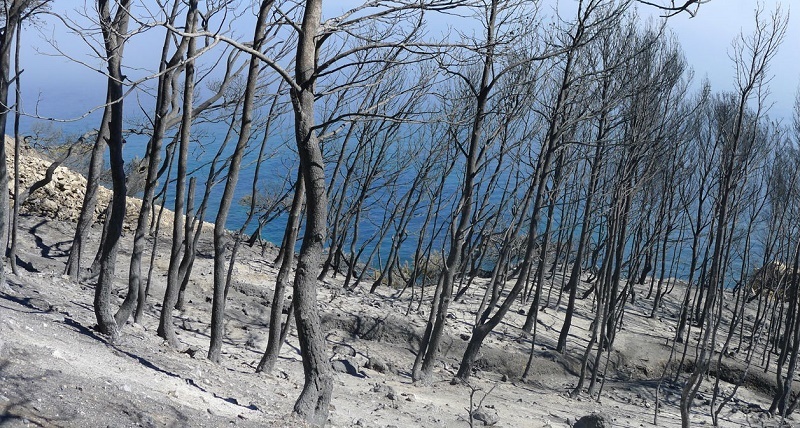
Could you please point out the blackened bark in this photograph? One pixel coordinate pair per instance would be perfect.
(166, 84)
(220, 271)
(12, 251)
(114, 34)
(314, 401)
(267, 363)
(13, 17)
(166, 328)
(429, 346)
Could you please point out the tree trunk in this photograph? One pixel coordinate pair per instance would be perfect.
(166, 328)
(267, 363)
(189, 239)
(166, 83)
(220, 271)
(12, 251)
(583, 240)
(14, 11)
(429, 349)
(86, 216)
(313, 402)
(114, 34)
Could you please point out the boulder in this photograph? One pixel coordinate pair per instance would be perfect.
(488, 416)
(346, 366)
(595, 420)
(379, 365)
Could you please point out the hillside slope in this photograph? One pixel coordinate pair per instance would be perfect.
(56, 371)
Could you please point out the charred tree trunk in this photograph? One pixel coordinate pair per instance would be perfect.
(583, 240)
(166, 328)
(167, 84)
(86, 216)
(429, 349)
(220, 271)
(314, 401)
(267, 363)
(114, 34)
(12, 251)
(14, 10)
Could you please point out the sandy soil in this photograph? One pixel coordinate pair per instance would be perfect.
(55, 370)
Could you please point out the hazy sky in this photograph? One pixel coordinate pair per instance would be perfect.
(706, 39)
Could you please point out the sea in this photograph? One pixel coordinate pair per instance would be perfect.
(276, 174)
(276, 171)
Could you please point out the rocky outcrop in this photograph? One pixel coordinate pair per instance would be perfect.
(62, 197)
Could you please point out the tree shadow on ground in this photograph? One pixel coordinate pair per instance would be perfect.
(47, 250)
(36, 305)
(22, 407)
(189, 381)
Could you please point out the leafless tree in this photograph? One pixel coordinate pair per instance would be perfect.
(166, 328)
(560, 115)
(752, 55)
(480, 85)
(14, 12)
(25, 11)
(114, 29)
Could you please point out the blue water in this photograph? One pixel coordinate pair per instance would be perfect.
(200, 156)
(275, 171)
(279, 171)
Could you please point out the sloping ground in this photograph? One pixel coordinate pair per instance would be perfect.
(55, 370)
